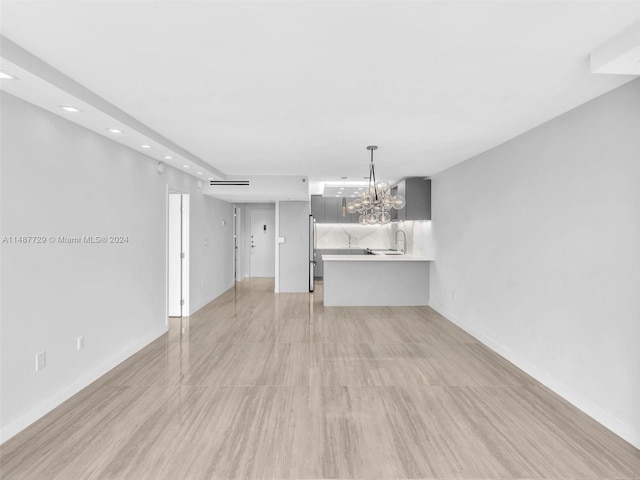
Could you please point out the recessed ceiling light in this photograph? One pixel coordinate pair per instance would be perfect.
(198, 173)
(186, 166)
(5, 76)
(69, 108)
(168, 157)
(145, 146)
(114, 130)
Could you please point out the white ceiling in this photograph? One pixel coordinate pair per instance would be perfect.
(301, 88)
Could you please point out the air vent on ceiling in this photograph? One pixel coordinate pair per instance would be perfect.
(229, 183)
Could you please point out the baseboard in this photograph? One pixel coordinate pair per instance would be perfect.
(22, 422)
(207, 302)
(585, 405)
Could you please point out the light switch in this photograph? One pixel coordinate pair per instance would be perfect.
(280, 239)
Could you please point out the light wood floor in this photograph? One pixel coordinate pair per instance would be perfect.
(258, 385)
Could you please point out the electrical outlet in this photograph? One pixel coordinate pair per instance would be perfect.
(80, 342)
(41, 360)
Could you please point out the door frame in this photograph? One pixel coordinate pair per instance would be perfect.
(184, 270)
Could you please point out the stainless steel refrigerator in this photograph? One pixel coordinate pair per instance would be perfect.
(313, 239)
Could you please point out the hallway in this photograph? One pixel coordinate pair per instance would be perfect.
(264, 385)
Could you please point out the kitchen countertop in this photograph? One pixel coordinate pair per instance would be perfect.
(375, 258)
(342, 248)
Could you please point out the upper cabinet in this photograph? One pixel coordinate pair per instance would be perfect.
(317, 208)
(329, 210)
(348, 217)
(417, 193)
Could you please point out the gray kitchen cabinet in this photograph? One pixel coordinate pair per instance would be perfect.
(317, 208)
(417, 193)
(319, 269)
(353, 217)
(331, 209)
(348, 218)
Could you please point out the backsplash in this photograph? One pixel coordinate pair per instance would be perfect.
(419, 237)
(332, 235)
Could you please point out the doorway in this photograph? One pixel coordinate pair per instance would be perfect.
(262, 243)
(177, 254)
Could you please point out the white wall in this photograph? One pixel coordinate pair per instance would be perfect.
(539, 239)
(262, 189)
(293, 254)
(60, 179)
(211, 248)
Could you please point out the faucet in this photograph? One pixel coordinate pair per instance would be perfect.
(404, 242)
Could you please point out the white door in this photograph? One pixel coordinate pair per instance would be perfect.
(175, 256)
(262, 241)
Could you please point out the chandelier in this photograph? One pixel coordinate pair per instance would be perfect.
(375, 202)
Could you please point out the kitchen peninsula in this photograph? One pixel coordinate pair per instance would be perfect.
(376, 280)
